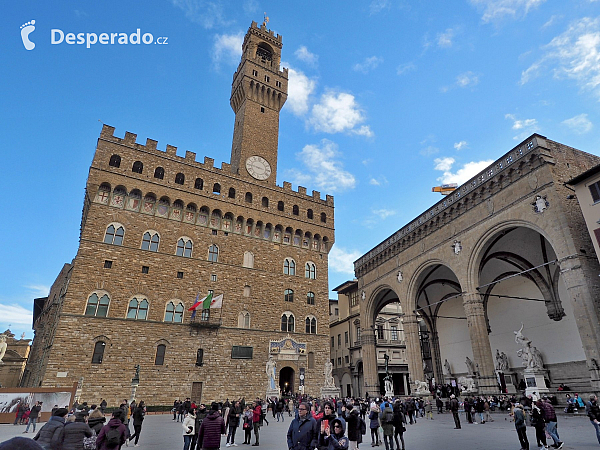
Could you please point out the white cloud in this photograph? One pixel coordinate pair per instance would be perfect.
(463, 174)
(338, 112)
(227, 48)
(460, 145)
(209, 14)
(467, 79)
(405, 68)
(496, 10)
(520, 124)
(552, 20)
(429, 150)
(383, 213)
(342, 261)
(378, 182)
(364, 130)
(323, 168)
(16, 314)
(443, 164)
(574, 54)
(40, 290)
(377, 6)
(580, 124)
(304, 55)
(368, 64)
(300, 88)
(444, 39)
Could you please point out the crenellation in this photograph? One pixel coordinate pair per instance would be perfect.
(287, 186)
(129, 138)
(190, 156)
(225, 167)
(316, 195)
(329, 200)
(151, 144)
(171, 151)
(107, 131)
(209, 163)
(301, 190)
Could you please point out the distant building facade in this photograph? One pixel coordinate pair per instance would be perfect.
(160, 231)
(14, 360)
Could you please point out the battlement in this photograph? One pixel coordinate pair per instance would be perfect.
(263, 28)
(170, 152)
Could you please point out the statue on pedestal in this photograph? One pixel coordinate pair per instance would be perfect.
(3, 347)
(270, 371)
(329, 382)
(447, 370)
(470, 366)
(532, 358)
(421, 387)
(501, 361)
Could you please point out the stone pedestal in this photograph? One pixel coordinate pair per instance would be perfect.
(330, 391)
(273, 393)
(134, 387)
(534, 379)
(468, 385)
(509, 377)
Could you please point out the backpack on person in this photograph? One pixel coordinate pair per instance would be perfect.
(89, 443)
(113, 437)
(362, 426)
(388, 415)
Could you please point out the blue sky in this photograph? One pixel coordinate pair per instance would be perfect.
(387, 99)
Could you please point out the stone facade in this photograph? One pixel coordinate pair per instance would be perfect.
(14, 360)
(159, 230)
(507, 246)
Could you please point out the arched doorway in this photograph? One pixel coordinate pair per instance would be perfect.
(286, 380)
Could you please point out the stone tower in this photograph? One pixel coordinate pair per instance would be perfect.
(258, 92)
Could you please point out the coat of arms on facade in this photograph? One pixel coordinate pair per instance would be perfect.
(363, 295)
(399, 276)
(457, 247)
(540, 204)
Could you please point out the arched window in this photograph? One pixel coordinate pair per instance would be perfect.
(309, 213)
(97, 307)
(115, 161)
(323, 217)
(289, 266)
(311, 325)
(98, 355)
(231, 193)
(295, 210)
(248, 197)
(138, 167)
(288, 295)
(179, 178)
(159, 173)
(174, 313)
(150, 241)
(310, 298)
(287, 322)
(265, 202)
(280, 206)
(114, 234)
(216, 188)
(184, 247)
(244, 319)
(199, 183)
(311, 360)
(159, 359)
(248, 260)
(247, 291)
(138, 309)
(213, 253)
(310, 271)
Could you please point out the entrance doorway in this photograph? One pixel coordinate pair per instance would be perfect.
(286, 381)
(196, 392)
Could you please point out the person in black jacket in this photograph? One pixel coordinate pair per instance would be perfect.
(233, 422)
(51, 435)
(302, 433)
(75, 432)
(352, 418)
(399, 422)
(33, 416)
(138, 418)
(593, 412)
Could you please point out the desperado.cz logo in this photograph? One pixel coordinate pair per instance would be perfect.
(58, 36)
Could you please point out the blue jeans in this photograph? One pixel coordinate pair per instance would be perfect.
(553, 432)
(32, 420)
(597, 427)
(187, 440)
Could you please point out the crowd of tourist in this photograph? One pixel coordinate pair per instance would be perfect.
(315, 423)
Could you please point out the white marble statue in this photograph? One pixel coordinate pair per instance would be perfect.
(467, 384)
(531, 356)
(3, 346)
(270, 370)
(447, 370)
(388, 386)
(501, 361)
(421, 387)
(470, 366)
(327, 372)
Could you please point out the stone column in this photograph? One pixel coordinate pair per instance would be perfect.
(369, 351)
(413, 347)
(585, 312)
(436, 356)
(480, 343)
(404, 380)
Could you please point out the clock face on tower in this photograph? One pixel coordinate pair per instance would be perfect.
(258, 167)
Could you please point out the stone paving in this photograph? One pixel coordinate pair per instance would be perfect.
(160, 432)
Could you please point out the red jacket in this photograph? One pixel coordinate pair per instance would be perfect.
(256, 413)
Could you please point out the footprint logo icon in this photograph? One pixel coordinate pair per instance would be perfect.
(26, 30)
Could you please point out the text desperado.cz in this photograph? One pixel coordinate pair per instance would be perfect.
(58, 37)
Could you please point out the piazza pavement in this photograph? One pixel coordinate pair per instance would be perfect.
(160, 432)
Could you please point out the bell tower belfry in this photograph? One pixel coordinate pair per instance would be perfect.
(258, 92)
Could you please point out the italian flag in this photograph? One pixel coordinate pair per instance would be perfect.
(208, 302)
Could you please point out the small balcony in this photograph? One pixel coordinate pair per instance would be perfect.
(201, 321)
